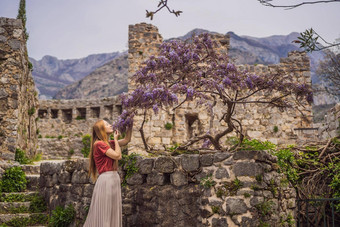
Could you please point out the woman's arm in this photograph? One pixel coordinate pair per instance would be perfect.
(126, 139)
(116, 153)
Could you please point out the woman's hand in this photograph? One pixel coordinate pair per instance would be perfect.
(115, 135)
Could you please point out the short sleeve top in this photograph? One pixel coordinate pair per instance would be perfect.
(103, 162)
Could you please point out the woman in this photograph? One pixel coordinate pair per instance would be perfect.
(106, 203)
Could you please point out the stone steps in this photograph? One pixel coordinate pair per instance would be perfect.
(6, 207)
(8, 217)
(33, 182)
(31, 169)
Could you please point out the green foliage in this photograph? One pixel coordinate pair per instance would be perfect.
(215, 209)
(229, 188)
(62, 217)
(86, 140)
(13, 180)
(207, 181)
(37, 131)
(308, 40)
(259, 178)
(129, 164)
(257, 145)
(37, 204)
(276, 129)
(18, 197)
(289, 220)
(246, 195)
(15, 210)
(168, 126)
(286, 160)
(71, 152)
(20, 156)
(334, 173)
(22, 15)
(37, 119)
(34, 219)
(31, 111)
(30, 67)
(265, 208)
(60, 137)
(80, 118)
(40, 136)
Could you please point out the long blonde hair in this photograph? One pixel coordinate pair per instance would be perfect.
(98, 133)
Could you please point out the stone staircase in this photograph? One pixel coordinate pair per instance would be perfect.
(15, 207)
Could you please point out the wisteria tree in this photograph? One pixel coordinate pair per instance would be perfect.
(194, 71)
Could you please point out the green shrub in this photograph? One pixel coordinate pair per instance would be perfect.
(37, 131)
(62, 217)
(207, 181)
(37, 204)
(60, 137)
(80, 118)
(13, 180)
(40, 136)
(168, 126)
(276, 129)
(71, 152)
(129, 163)
(34, 219)
(86, 140)
(31, 111)
(20, 156)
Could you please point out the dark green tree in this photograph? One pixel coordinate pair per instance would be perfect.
(22, 16)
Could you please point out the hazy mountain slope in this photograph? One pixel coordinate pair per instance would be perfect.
(107, 80)
(51, 74)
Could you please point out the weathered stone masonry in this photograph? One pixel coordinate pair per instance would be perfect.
(18, 97)
(166, 191)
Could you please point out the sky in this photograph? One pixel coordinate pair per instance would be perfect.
(69, 29)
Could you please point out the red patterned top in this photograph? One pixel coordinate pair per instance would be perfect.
(103, 162)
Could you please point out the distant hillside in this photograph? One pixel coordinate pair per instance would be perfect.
(100, 75)
(107, 80)
(51, 74)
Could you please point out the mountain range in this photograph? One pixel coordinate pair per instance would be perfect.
(102, 75)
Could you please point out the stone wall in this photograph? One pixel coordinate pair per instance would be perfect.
(18, 97)
(258, 120)
(220, 189)
(331, 126)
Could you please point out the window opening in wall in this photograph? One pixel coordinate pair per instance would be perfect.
(54, 113)
(67, 115)
(119, 109)
(108, 111)
(192, 124)
(95, 112)
(42, 114)
(81, 114)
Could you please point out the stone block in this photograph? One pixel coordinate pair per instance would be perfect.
(235, 206)
(219, 222)
(155, 178)
(178, 178)
(190, 162)
(64, 177)
(145, 165)
(80, 177)
(219, 157)
(135, 179)
(164, 165)
(247, 169)
(49, 168)
(206, 159)
(256, 200)
(221, 173)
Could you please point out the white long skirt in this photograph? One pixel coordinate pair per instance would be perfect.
(106, 204)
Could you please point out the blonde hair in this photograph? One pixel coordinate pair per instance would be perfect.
(98, 133)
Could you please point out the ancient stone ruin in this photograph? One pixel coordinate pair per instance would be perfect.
(18, 97)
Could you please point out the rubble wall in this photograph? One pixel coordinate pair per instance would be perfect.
(18, 97)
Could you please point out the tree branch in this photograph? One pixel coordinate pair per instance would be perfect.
(266, 3)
